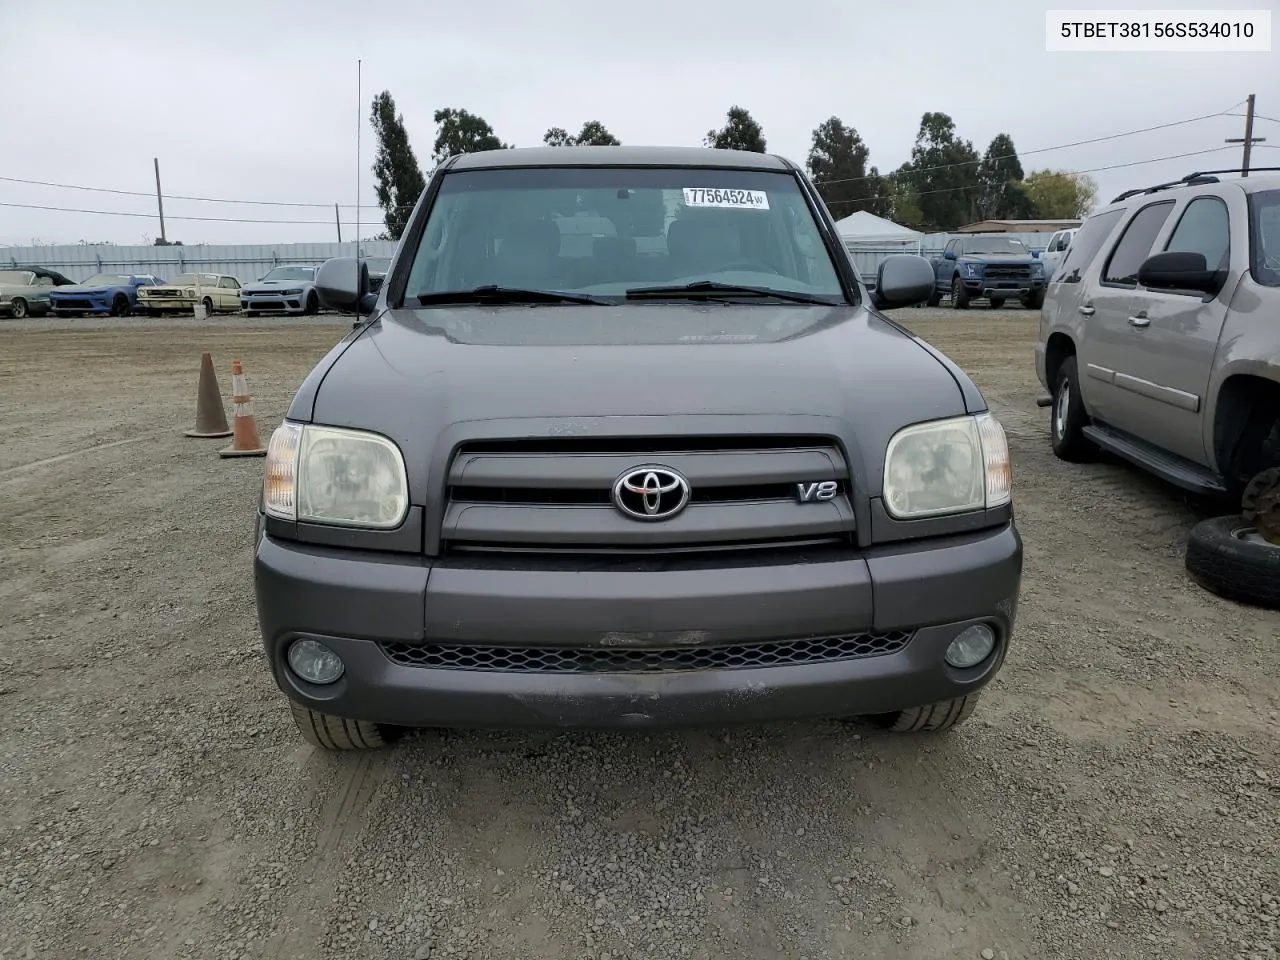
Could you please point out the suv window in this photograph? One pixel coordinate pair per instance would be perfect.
(1264, 233)
(605, 230)
(1204, 228)
(1135, 244)
(1093, 233)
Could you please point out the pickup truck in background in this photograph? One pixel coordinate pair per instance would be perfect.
(1056, 250)
(997, 268)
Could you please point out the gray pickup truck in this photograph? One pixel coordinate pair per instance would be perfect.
(1160, 343)
(631, 480)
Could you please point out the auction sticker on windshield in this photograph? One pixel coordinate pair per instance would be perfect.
(738, 199)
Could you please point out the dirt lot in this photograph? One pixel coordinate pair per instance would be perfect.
(1117, 794)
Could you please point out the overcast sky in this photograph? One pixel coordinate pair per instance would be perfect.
(257, 100)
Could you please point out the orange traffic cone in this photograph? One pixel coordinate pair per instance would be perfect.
(246, 442)
(211, 417)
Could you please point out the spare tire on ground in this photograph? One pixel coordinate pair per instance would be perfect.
(1229, 557)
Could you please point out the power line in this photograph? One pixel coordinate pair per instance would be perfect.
(1060, 146)
(348, 206)
(151, 216)
(1256, 116)
(326, 223)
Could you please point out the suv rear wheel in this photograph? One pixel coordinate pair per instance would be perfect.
(338, 733)
(1068, 419)
(931, 718)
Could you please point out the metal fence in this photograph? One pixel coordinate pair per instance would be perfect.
(246, 263)
(249, 263)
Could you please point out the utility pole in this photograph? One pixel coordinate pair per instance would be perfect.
(1248, 139)
(164, 240)
(338, 221)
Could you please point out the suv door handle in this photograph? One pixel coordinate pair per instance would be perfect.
(1140, 320)
(1087, 309)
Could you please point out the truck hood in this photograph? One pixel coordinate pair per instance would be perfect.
(271, 286)
(1013, 259)
(79, 290)
(547, 371)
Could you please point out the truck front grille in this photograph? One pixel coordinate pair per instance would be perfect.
(774, 653)
(1005, 272)
(558, 497)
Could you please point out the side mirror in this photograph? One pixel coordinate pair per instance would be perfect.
(949, 255)
(342, 284)
(903, 279)
(1179, 271)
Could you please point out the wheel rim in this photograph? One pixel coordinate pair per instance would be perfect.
(19, 307)
(1251, 535)
(1062, 409)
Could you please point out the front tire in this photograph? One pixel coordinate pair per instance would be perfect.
(931, 718)
(18, 307)
(120, 306)
(328, 732)
(207, 302)
(959, 295)
(1067, 418)
(313, 304)
(1034, 300)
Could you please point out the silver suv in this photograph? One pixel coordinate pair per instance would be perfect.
(1160, 343)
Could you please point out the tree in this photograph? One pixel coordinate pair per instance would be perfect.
(1000, 193)
(944, 173)
(740, 132)
(904, 201)
(838, 166)
(399, 178)
(592, 134)
(1060, 194)
(458, 131)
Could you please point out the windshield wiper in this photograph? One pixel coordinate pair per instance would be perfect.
(710, 288)
(492, 293)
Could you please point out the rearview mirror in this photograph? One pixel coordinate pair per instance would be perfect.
(1179, 271)
(949, 255)
(903, 279)
(343, 285)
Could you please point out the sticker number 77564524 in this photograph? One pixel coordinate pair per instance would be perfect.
(715, 197)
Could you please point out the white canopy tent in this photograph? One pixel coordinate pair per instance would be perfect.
(863, 228)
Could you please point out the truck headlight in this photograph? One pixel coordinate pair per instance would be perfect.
(1037, 269)
(972, 270)
(947, 466)
(330, 475)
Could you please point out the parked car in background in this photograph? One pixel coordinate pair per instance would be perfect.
(996, 267)
(282, 290)
(219, 292)
(378, 267)
(114, 294)
(24, 294)
(542, 488)
(1160, 343)
(1054, 251)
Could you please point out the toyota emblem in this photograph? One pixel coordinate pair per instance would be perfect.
(651, 492)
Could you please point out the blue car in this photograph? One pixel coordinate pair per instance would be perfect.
(105, 294)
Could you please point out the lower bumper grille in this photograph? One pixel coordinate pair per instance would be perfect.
(773, 653)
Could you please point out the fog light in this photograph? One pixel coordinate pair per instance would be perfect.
(973, 645)
(314, 662)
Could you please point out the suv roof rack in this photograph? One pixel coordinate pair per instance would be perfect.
(1193, 179)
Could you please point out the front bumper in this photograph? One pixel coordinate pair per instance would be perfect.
(359, 602)
(273, 304)
(994, 287)
(81, 306)
(166, 304)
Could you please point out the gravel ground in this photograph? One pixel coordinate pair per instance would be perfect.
(1116, 795)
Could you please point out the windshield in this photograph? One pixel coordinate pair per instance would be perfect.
(290, 273)
(108, 280)
(190, 280)
(1264, 216)
(606, 231)
(996, 245)
(21, 277)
